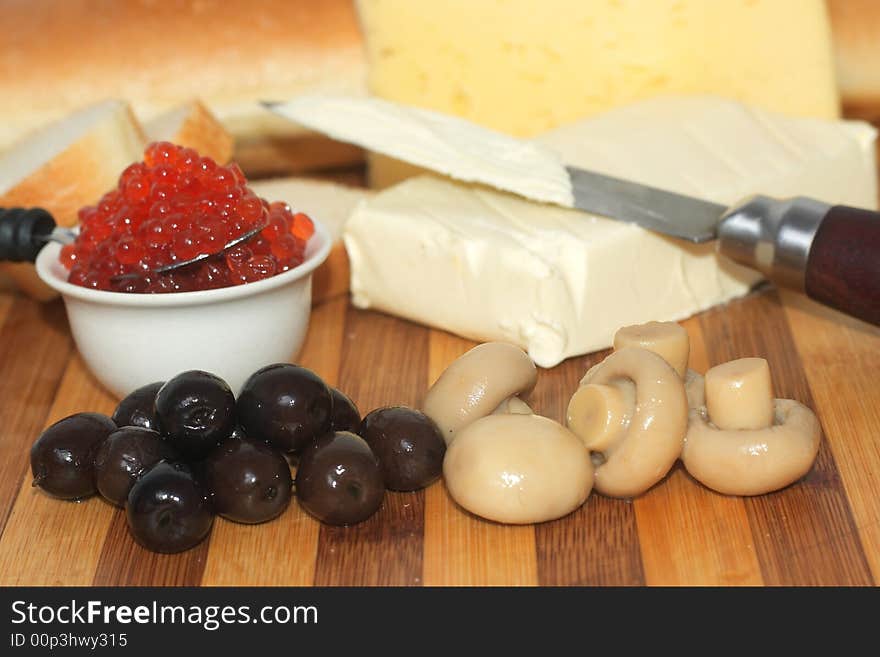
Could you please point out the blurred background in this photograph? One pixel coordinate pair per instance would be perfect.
(490, 61)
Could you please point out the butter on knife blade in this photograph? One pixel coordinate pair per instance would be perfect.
(706, 147)
(468, 152)
(439, 142)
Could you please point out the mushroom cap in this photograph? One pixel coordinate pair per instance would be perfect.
(476, 383)
(753, 461)
(653, 441)
(518, 469)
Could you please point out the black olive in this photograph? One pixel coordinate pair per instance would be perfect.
(249, 481)
(196, 411)
(167, 509)
(128, 452)
(138, 409)
(339, 480)
(345, 415)
(408, 444)
(62, 458)
(286, 405)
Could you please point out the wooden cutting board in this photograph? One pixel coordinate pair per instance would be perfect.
(823, 530)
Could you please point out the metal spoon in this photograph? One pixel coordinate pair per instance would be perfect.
(24, 231)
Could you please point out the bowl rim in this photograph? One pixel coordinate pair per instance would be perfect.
(50, 271)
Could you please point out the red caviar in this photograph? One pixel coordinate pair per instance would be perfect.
(175, 206)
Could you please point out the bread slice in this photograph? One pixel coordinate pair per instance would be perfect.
(332, 205)
(193, 125)
(65, 166)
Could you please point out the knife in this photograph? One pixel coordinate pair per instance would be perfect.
(830, 253)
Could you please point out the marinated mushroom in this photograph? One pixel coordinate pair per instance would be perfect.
(743, 442)
(600, 413)
(666, 339)
(633, 416)
(513, 405)
(518, 469)
(669, 340)
(477, 384)
(739, 394)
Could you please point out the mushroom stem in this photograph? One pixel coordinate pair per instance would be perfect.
(739, 394)
(666, 339)
(599, 414)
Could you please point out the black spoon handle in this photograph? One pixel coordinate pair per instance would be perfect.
(23, 232)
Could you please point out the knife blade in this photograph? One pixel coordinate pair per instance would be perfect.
(656, 209)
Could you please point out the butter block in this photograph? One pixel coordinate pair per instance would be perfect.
(557, 282)
(491, 266)
(525, 66)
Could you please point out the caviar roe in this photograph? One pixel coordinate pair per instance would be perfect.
(175, 206)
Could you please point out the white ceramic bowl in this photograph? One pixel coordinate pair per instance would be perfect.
(130, 340)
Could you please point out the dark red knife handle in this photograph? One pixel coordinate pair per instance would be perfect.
(843, 267)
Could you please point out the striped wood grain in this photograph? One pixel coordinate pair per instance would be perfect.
(598, 544)
(233, 546)
(841, 359)
(461, 549)
(48, 541)
(384, 363)
(804, 534)
(689, 534)
(823, 530)
(34, 350)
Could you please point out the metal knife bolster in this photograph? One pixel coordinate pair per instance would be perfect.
(773, 236)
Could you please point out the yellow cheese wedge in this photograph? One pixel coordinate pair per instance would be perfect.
(525, 66)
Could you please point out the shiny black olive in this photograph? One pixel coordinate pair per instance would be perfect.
(62, 458)
(138, 409)
(167, 509)
(286, 405)
(128, 452)
(237, 433)
(345, 415)
(339, 480)
(196, 411)
(408, 444)
(249, 481)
